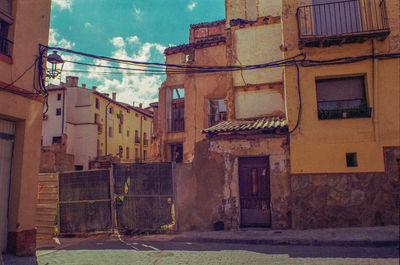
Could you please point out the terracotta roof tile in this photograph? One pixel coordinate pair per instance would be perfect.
(247, 125)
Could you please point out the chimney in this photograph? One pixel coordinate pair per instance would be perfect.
(114, 96)
(133, 103)
(84, 85)
(72, 81)
(94, 88)
(140, 105)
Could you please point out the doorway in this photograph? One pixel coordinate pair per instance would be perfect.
(7, 129)
(254, 188)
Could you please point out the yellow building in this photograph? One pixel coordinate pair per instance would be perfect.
(23, 26)
(347, 120)
(95, 125)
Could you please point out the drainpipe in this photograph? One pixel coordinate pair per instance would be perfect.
(375, 92)
(141, 140)
(62, 117)
(106, 130)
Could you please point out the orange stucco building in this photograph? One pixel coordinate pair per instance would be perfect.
(24, 25)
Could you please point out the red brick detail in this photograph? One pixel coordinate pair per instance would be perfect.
(6, 58)
(22, 243)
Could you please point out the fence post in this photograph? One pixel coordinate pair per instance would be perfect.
(112, 201)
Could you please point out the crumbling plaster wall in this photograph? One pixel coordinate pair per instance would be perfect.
(208, 191)
(199, 88)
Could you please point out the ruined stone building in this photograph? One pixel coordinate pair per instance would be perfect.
(94, 125)
(302, 145)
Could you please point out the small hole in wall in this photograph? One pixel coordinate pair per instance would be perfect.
(351, 159)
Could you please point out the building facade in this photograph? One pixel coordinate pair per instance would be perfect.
(312, 142)
(95, 125)
(21, 107)
(347, 142)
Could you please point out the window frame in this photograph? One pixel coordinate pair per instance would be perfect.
(222, 116)
(363, 110)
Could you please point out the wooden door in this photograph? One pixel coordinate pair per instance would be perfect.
(254, 186)
(6, 151)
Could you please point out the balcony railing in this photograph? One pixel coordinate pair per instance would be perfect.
(137, 140)
(145, 142)
(5, 46)
(342, 21)
(216, 118)
(176, 125)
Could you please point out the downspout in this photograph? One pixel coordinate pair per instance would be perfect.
(141, 140)
(106, 130)
(62, 117)
(375, 92)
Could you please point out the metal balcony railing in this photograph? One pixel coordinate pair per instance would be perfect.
(176, 125)
(145, 142)
(5, 46)
(216, 118)
(342, 20)
(137, 140)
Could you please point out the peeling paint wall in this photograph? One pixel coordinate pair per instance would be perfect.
(208, 188)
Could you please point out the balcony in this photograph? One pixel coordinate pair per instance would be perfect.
(323, 25)
(5, 46)
(176, 125)
(145, 142)
(216, 118)
(137, 140)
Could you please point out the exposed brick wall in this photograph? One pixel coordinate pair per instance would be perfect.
(350, 199)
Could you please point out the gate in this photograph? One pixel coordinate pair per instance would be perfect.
(6, 150)
(144, 196)
(85, 201)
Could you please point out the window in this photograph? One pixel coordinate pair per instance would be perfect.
(110, 131)
(127, 153)
(145, 140)
(216, 111)
(177, 123)
(137, 155)
(144, 155)
(137, 139)
(111, 110)
(58, 96)
(78, 167)
(351, 159)
(97, 103)
(56, 140)
(58, 111)
(120, 151)
(342, 98)
(127, 133)
(97, 118)
(5, 43)
(119, 128)
(176, 153)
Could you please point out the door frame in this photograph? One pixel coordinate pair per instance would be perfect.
(266, 159)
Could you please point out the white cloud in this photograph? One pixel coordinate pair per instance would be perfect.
(63, 4)
(136, 87)
(192, 5)
(88, 25)
(118, 42)
(138, 13)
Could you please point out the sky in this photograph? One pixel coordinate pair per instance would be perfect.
(125, 29)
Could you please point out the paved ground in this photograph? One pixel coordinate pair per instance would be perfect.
(374, 245)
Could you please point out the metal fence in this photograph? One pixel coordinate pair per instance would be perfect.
(129, 197)
(85, 201)
(144, 196)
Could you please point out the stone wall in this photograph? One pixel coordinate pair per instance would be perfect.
(350, 199)
(54, 158)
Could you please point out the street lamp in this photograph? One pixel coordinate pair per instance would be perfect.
(57, 64)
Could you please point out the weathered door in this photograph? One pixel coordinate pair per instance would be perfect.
(254, 186)
(6, 150)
